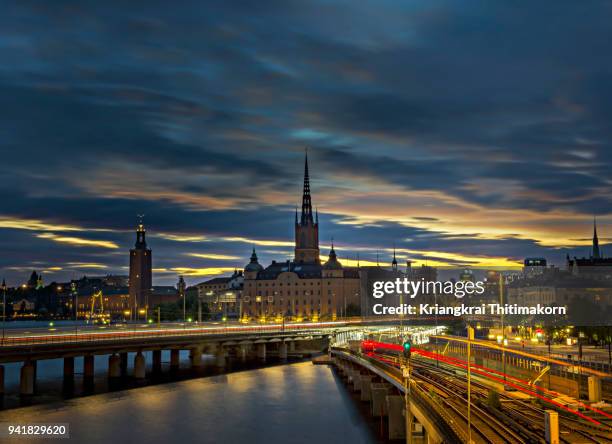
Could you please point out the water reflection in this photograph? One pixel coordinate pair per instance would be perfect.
(299, 403)
(51, 386)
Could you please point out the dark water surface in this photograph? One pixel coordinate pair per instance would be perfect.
(295, 403)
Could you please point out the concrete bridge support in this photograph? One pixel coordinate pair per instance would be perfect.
(175, 359)
(261, 351)
(292, 346)
(195, 355)
(69, 368)
(243, 352)
(379, 392)
(397, 423)
(366, 387)
(88, 366)
(114, 366)
(220, 357)
(282, 351)
(124, 363)
(26, 382)
(157, 361)
(139, 366)
(356, 377)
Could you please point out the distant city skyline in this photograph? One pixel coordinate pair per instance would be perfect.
(466, 135)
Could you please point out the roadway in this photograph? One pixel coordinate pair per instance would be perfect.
(96, 333)
(535, 355)
(589, 353)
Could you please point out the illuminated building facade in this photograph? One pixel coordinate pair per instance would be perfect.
(302, 288)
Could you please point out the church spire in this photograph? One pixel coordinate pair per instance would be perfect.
(306, 202)
(306, 230)
(596, 252)
(394, 262)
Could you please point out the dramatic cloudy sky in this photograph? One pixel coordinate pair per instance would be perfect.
(467, 132)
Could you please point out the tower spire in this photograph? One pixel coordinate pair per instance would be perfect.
(306, 230)
(596, 252)
(140, 233)
(394, 262)
(306, 201)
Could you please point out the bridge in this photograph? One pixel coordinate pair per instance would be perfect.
(243, 341)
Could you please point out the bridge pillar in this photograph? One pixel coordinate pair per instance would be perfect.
(292, 346)
(1, 380)
(594, 389)
(243, 352)
(356, 381)
(26, 382)
(139, 366)
(174, 359)
(366, 387)
(196, 356)
(261, 351)
(88, 366)
(282, 351)
(220, 357)
(157, 361)
(397, 423)
(378, 396)
(124, 363)
(346, 370)
(114, 366)
(69, 367)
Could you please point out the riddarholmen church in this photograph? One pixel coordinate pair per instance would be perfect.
(301, 289)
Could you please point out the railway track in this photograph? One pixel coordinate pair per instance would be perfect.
(486, 428)
(530, 418)
(515, 422)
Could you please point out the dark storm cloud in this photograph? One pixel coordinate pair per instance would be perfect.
(196, 114)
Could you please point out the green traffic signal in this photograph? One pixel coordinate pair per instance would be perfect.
(406, 346)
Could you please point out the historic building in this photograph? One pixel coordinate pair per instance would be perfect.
(140, 277)
(301, 289)
(222, 295)
(596, 266)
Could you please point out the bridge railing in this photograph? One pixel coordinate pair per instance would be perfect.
(88, 337)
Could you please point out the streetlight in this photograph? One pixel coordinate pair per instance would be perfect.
(75, 296)
(470, 333)
(503, 332)
(406, 352)
(3, 308)
(181, 290)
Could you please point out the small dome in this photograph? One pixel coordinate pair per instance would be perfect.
(332, 263)
(253, 265)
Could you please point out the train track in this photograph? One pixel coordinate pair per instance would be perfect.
(530, 418)
(515, 422)
(485, 427)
